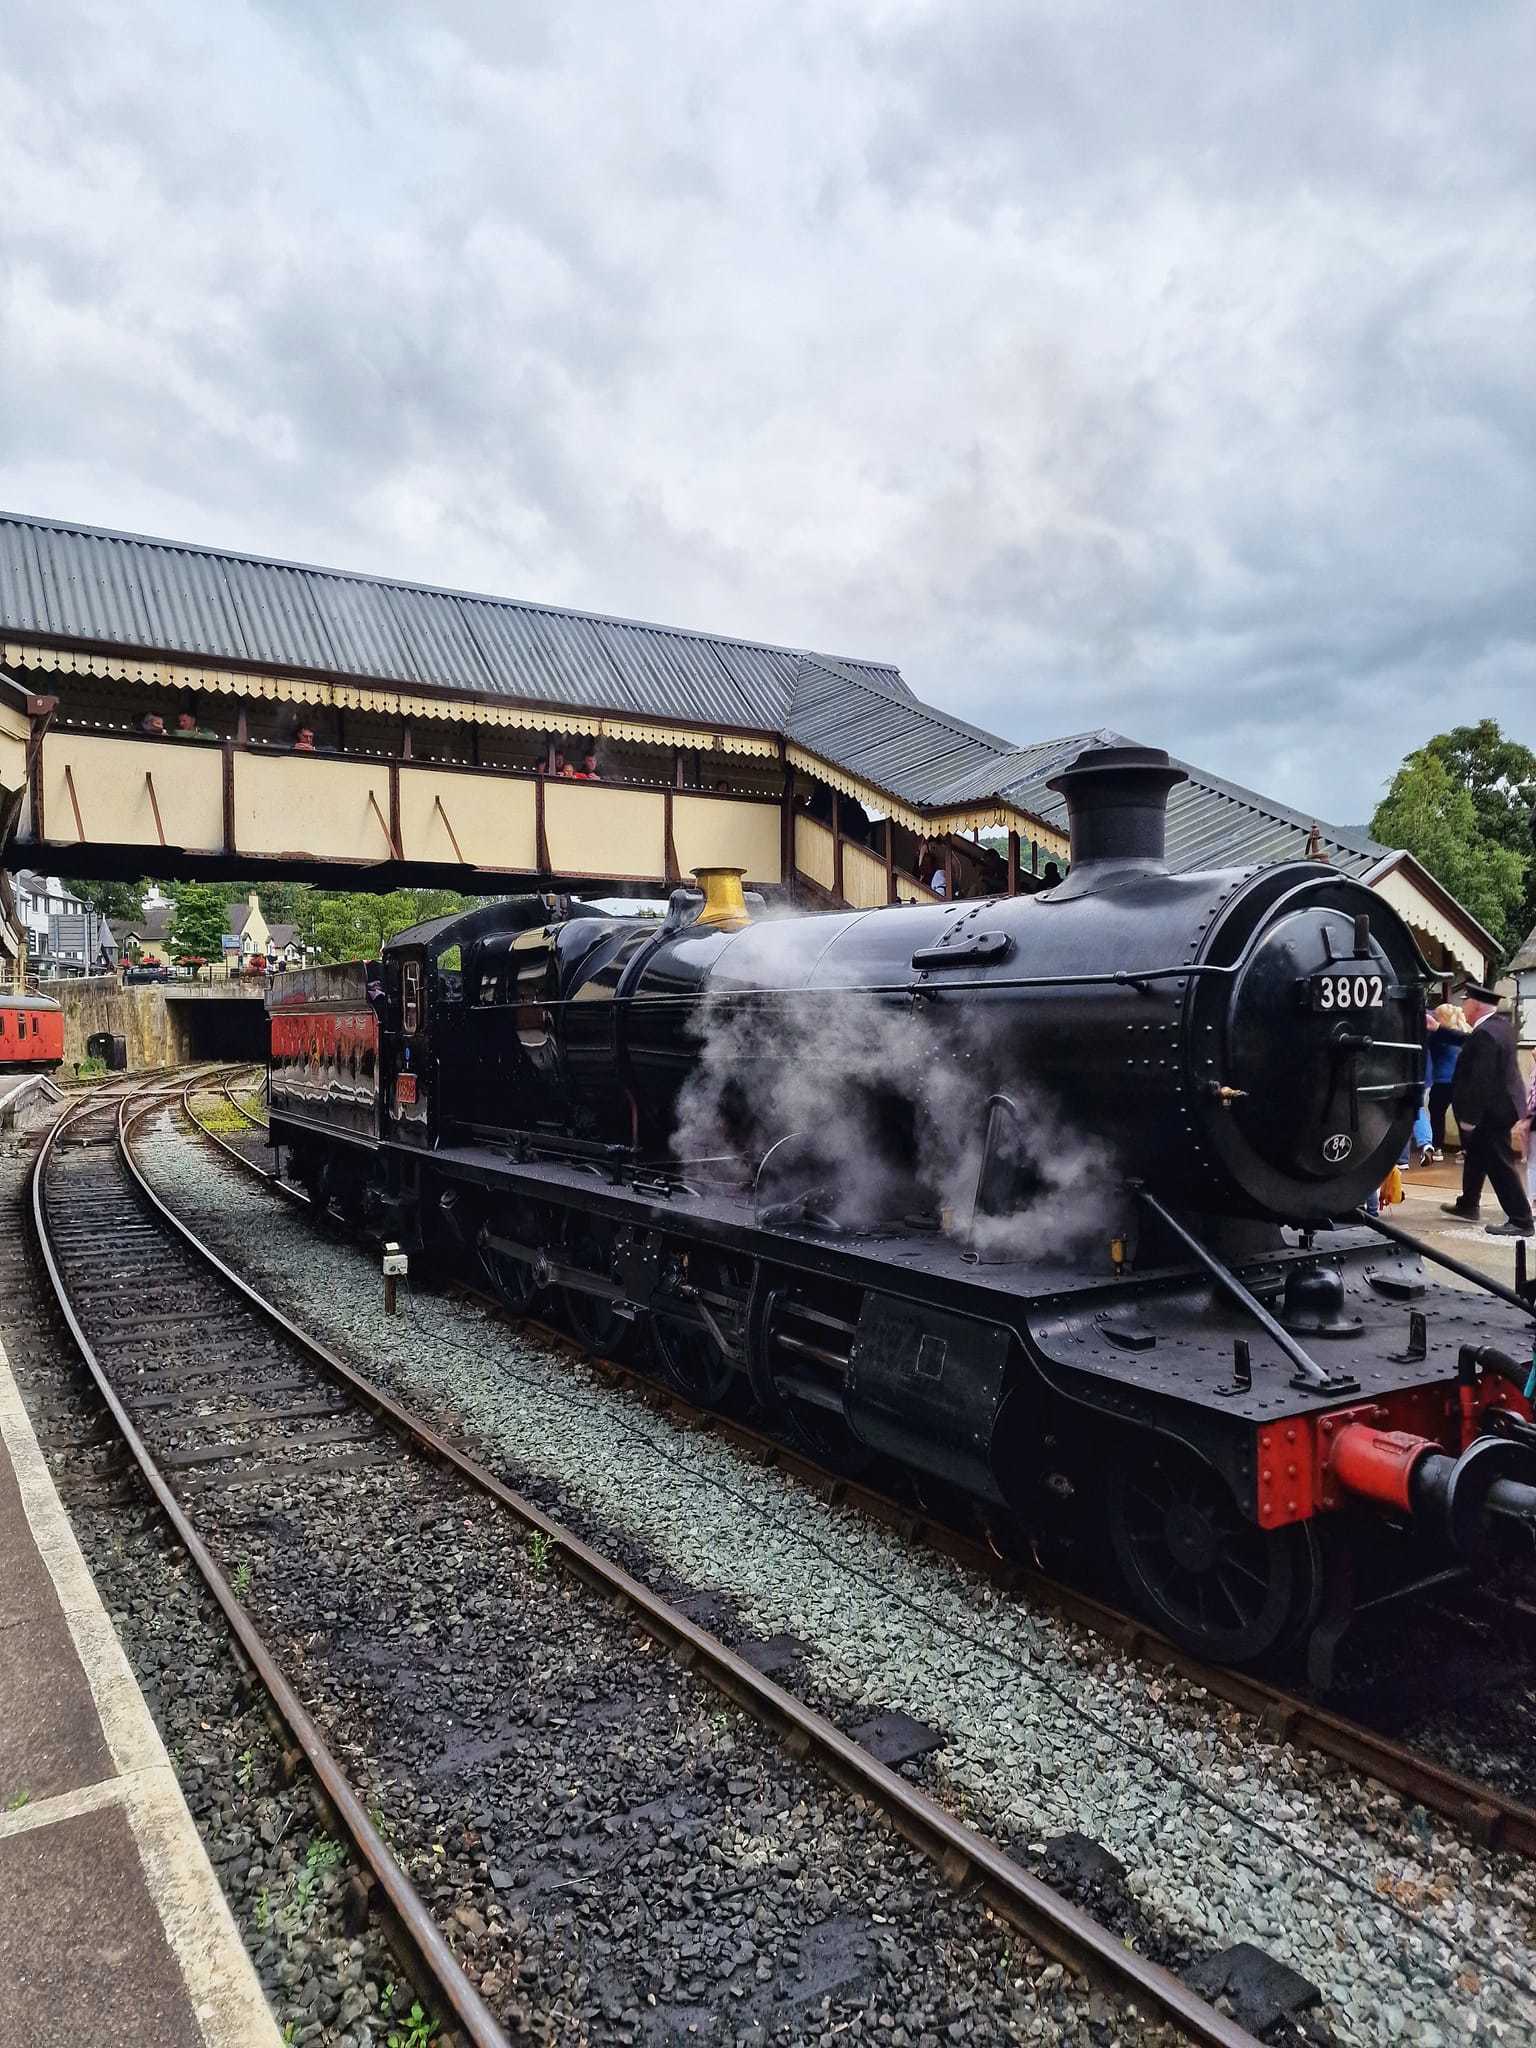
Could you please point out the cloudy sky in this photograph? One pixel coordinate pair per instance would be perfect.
(1167, 365)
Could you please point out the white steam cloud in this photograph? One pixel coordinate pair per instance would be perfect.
(888, 1108)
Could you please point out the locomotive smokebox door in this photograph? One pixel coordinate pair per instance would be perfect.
(928, 1388)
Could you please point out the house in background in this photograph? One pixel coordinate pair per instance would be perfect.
(63, 934)
(250, 938)
(145, 940)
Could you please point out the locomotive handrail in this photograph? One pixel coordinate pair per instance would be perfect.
(1308, 1372)
(1438, 1258)
(1124, 977)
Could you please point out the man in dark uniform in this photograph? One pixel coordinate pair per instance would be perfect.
(1489, 1100)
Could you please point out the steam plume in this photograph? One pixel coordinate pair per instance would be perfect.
(889, 1107)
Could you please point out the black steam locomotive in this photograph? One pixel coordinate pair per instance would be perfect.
(1054, 1202)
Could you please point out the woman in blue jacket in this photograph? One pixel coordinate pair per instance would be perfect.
(1448, 1033)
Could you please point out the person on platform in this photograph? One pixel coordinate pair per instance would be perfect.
(1488, 1101)
(187, 727)
(1525, 1138)
(153, 724)
(1448, 1033)
(304, 740)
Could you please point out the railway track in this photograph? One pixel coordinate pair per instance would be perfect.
(1492, 1815)
(176, 1404)
(268, 1407)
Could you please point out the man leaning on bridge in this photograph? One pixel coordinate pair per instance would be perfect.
(1489, 1100)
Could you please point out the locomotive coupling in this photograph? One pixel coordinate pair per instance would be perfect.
(1468, 1498)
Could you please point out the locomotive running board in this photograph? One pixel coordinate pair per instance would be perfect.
(1311, 1376)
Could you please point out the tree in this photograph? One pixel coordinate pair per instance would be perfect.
(1433, 814)
(123, 902)
(201, 919)
(281, 902)
(348, 926)
(1500, 775)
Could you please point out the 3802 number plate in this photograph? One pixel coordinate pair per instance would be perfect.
(1348, 991)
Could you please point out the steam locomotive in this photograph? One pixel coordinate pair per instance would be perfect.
(1056, 1202)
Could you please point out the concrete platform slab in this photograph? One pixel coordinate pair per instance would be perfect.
(113, 1928)
(1426, 1189)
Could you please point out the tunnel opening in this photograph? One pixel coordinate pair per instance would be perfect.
(218, 1027)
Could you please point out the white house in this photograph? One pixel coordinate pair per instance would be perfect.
(63, 934)
(249, 937)
(1522, 972)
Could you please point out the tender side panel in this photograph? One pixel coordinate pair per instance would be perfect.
(324, 1049)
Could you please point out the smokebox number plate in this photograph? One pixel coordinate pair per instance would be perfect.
(1348, 991)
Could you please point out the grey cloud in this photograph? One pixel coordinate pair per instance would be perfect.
(1163, 368)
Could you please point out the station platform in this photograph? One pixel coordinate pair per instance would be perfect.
(1426, 1188)
(113, 1929)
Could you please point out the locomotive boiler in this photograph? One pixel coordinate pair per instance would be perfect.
(1054, 1202)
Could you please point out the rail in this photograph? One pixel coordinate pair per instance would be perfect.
(439, 1964)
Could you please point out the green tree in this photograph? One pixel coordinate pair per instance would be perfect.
(351, 926)
(1500, 775)
(202, 911)
(281, 902)
(123, 902)
(1432, 813)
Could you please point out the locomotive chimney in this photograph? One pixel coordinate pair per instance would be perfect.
(1117, 802)
(724, 903)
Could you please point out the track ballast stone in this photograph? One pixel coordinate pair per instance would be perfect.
(1413, 1933)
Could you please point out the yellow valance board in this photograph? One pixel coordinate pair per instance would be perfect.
(383, 698)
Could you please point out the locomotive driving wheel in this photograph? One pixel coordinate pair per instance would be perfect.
(589, 1242)
(515, 1279)
(1199, 1570)
(689, 1354)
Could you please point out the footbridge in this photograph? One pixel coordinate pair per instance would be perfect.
(187, 713)
(183, 712)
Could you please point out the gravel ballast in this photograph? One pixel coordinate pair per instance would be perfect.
(1412, 1932)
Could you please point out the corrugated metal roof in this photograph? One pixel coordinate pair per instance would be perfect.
(1211, 822)
(892, 740)
(163, 597)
